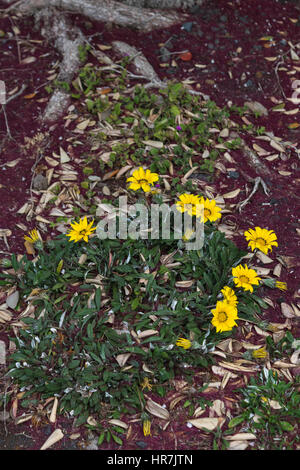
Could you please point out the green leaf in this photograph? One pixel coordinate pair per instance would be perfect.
(236, 421)
(286, 426)
(117, 439)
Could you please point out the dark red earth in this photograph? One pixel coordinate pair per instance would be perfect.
(225, 36)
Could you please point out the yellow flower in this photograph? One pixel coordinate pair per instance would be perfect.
(281, 285)
(259, 353)
(209, 210)
(184, 343)
(188, 203)
(147, 427)
(142, 179)
(229, 296)
(146, 384)
(224, 316)
(33, 236)
(188, 235)
(245, 277)
(261, 238)
(81, 230)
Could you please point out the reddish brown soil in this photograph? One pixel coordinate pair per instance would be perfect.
(224, 27)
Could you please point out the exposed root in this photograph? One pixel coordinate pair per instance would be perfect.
(144, 68)
(257, 182)
(110, 11)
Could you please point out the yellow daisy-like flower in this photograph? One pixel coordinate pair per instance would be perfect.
(188, 203)
(142, 179)
(81, 230)
(209, 210)
(281, 285)
(224, 316)
(261, 238)
(33, 236)
(184, 343)
(229, 296)
(188, 235)
(147, 427)
(260, 353)
(245, 277)
(146, 384)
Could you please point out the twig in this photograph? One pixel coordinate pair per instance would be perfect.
(16, 94)
(6, 122)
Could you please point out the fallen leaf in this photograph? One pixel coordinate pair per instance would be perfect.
(241, 436)
(186, 56)
(231, 194)
(205, 423)
(157, 410)
(56, 436)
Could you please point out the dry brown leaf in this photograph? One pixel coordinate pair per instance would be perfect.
(241, 436)
(205, 423)
(184, 284)
(239, 445)
(146, 333)
(117, 422)
(175, 401)
(56, 436)
(5, 316)
(52, 418)
(231, 194)
(283, 365)
(277, 270)
(287, 310)
(122, 359)
(237, 367)
(263, 258)
(123, 171)
(157, 410)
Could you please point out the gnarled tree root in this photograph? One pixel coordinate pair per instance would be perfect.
(67, 38)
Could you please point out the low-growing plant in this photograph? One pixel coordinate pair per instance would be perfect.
(271, 407)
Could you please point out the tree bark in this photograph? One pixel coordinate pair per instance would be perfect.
(108, 11)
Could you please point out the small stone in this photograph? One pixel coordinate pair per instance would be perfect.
(248, 84)
(13, 299)
(233, 174)
(187, 26)
(40, 182)
(165, 54)
(141, 444)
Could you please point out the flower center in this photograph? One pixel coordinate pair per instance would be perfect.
(207, 212)
(261, 241)
(222, 317)
(244, 279)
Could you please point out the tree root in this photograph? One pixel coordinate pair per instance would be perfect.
(257, 181)
(67, 38)
(111, 11)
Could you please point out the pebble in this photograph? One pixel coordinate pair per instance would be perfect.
(141, 444)
(40, 182)
(187, 26)
(233, 174)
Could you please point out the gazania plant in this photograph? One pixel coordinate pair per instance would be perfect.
(176, 305)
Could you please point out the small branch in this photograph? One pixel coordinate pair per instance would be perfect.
(6, 122)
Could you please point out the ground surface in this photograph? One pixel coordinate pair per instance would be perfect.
(232, 40)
